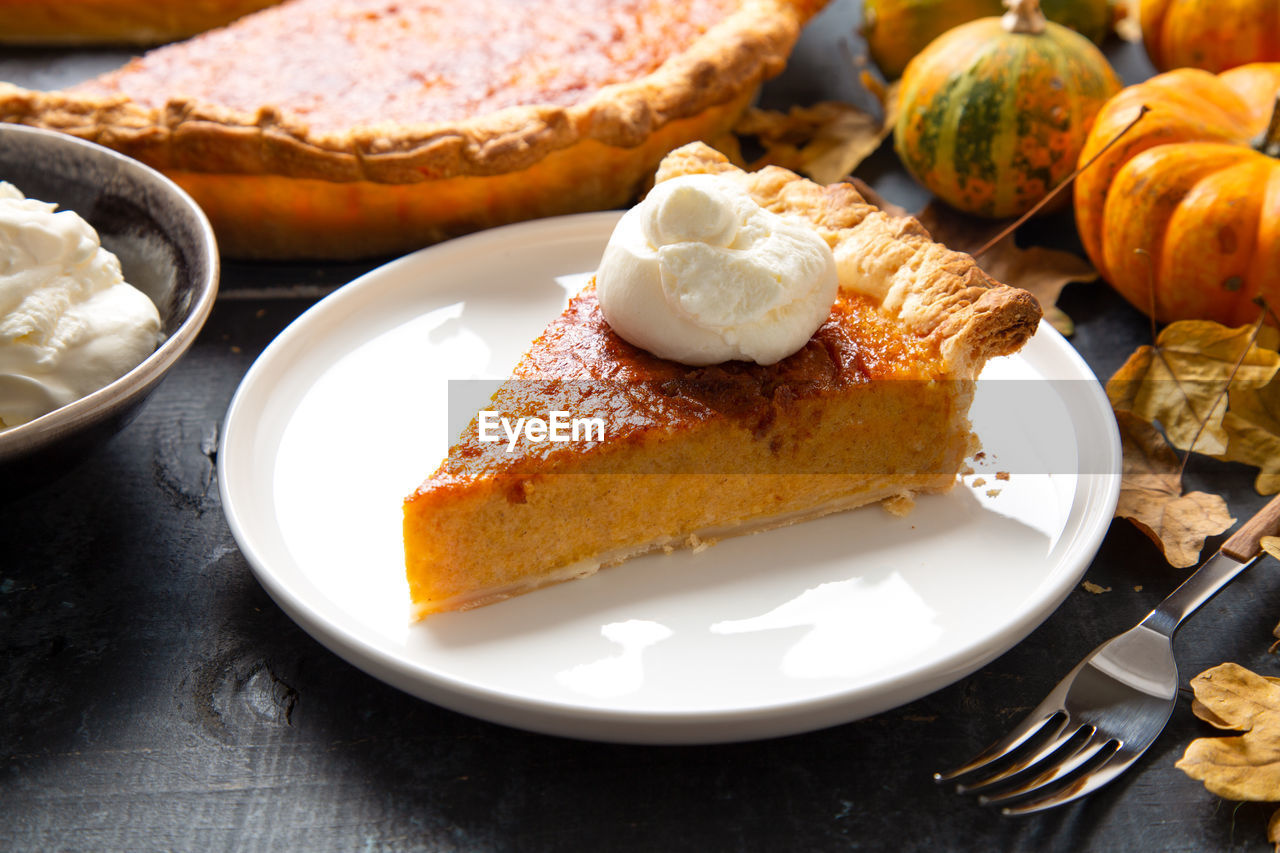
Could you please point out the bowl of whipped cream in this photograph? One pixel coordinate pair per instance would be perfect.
(108, 271)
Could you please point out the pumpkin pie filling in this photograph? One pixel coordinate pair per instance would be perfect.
(336, 65)
(580, 365)
(138, 22)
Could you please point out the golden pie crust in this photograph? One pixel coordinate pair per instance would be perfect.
(873, 408)
(285, 175)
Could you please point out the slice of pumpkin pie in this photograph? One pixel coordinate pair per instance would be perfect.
(755, 350)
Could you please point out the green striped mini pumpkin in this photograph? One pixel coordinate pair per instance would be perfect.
(994, 112)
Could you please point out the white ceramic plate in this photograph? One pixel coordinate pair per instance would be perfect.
(786, 631)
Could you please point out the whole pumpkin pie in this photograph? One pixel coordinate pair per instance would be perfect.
(348, 128)
(872, 408)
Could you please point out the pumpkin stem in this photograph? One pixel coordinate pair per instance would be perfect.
(1024, 16)
(1269, 142)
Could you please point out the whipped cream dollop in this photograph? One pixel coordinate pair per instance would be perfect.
(69, 323)
(699, 273)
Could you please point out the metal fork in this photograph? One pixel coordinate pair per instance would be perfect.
(1111, 707)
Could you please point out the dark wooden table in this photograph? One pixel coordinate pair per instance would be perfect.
(154, 698)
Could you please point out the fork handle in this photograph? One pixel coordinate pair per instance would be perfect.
(1234, 557)
(1244, 543)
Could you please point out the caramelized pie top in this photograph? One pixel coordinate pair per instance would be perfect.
(580, 364)
(353, 62)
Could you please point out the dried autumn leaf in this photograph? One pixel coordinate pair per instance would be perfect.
(1043, 272)
(825, 141)
(1246, 767)
(1202, 711)
(1180, 382)
(1252, 427)
(1151, 495)
(1208, 716)
(1178, 524)
(1149, 462)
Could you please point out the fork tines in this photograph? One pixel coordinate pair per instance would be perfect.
(1043, 762)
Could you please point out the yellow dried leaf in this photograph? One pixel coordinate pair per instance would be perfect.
(825, 141)
(1208, 716)
(1252, 427)
(1149, 462)
(1151, 496)
(1246, 767)
(1043, 272)
(1147, 385)
(1177, 524)
(1180, 383)
(1211, 350)
(1202, 711)
(1273, 829)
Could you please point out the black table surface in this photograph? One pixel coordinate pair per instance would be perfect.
(154, 697)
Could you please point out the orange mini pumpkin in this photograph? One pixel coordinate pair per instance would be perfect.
(1182, 214)
(1211, 34)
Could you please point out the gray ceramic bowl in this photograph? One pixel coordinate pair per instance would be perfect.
(166, 249)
